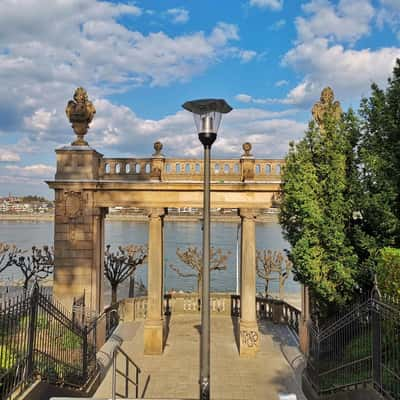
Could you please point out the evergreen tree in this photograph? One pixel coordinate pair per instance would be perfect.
(379, 176)
(380, 166)
(318, 205)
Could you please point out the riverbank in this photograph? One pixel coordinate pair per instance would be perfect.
(271, 217)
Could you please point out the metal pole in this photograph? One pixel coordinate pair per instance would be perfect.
(237, 259)
(114, 375)
(205, 303)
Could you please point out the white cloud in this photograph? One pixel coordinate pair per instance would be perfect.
(394, 4)
(243, 98)
(34, 171)
(118, 130)
(274, 5)
(348, 21)
(247, 55)
(281, 83)
(223, 33)
(389, 14)
(178, 15)
(278, 25)
(88, 44)
(349, 72)
(42, 62)
(40, 120)
(8, 155)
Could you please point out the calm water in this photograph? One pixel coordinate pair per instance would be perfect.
(176, 234)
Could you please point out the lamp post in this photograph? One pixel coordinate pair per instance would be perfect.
(207, 115)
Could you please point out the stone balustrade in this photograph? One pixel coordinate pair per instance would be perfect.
(227, 304)
(177, 303)
(174, 169)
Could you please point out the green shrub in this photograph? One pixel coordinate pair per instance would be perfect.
(71, 341)
(7, 358)
(41, 322)
(388, 271)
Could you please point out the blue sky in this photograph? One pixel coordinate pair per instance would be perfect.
(140, 60)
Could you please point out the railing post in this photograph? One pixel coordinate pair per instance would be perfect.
(114, 375)
(376, 344)
(317, 364)
(85, 353)
(137, 382)
(33, 309)
(126, 377)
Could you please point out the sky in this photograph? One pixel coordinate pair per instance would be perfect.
(141, 60)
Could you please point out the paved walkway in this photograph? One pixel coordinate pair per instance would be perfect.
(175, 374)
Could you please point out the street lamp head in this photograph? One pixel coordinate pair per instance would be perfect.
(207, 115)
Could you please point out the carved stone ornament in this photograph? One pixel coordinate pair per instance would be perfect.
(80, 113)
(155, 173)
(247, 149)
(157, 147)
(326, 105)
(73, 204)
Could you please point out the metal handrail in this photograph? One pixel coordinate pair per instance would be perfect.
(125, 374)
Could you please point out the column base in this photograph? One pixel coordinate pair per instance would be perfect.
(153, 338)
(249, 339)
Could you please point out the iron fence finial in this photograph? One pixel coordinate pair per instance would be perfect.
(375, 292)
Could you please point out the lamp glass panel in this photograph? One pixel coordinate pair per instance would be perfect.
(208, 122)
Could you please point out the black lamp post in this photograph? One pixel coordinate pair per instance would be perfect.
(207, 116)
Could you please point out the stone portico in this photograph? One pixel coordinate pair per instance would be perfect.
(86, 184)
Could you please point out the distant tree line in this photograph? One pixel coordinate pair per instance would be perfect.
(34, 199)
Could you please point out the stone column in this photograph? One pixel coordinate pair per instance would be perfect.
(249, 335)
(153, 327)
(304, 320)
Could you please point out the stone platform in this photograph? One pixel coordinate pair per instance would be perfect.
(272, 373)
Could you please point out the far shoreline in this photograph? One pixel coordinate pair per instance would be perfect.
(271, 217)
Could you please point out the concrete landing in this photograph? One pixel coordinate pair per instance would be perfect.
(175, 374)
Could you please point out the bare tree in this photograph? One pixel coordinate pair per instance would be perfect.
(39, 265)
(273, 266)
(122, 264)
(7, 253)
(193, 258)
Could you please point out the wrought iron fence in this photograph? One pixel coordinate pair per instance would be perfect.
(39, 338)
(112, 319)
(362, 347)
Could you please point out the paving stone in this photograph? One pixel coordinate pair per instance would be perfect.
(176, 372)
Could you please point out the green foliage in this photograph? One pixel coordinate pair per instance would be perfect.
(41, 322)
(379, 161)
(317, 209)
(7, 357)
(71, 341)
(388, 271)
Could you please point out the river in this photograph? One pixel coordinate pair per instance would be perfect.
(24, 234)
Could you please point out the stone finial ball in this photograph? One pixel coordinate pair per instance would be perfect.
(158, 147)
(247, 148)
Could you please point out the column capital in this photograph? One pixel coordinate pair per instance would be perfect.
(247, 213)
(155, 212)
